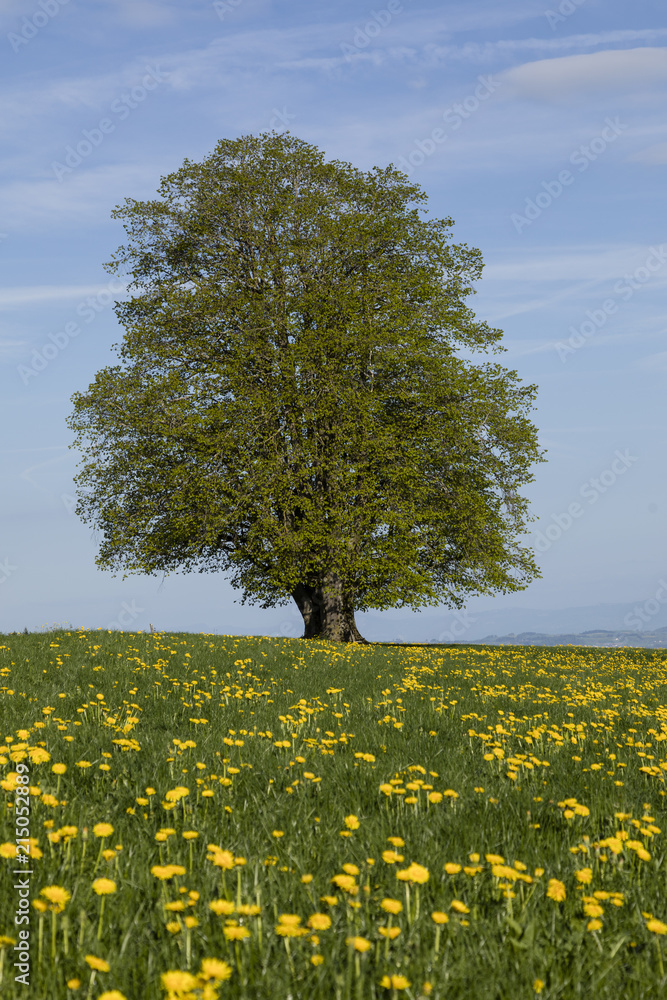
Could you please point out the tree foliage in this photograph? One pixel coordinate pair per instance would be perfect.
(293, 402)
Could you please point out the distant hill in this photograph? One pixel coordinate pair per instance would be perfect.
(657, 639)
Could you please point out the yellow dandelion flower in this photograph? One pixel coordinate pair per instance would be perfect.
(594, 925)
(215, 968)
(319, 921)
(452, 869)
(656, 926)
(391, 857)
(175, 794)
(414, 873)
(167, 871)
(235, 933)
(459, 906)
(584, 875)
(361, 944)
(438, 917)
(104, 886)
(178, 982)
(556, 890)
(56, 895)
(97, 963)
(395, 982)
(391, 905)
(352, 823)
(103, 829)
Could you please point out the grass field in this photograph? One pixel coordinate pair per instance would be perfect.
(217, 816)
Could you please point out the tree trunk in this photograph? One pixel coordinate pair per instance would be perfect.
(327, 611)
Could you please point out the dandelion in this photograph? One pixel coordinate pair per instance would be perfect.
(346, 883)
(176, 794)
(165, 872)
(111, 995)
(389, 932)
(414, 873)
(57, 896)
(459, 906)
(556, 890)
(104, 886)
(584, 875)
(593, 925)
(395, 983)
(538, 985)
(360, 944)
(452, 869)
(352, 823)
(319, 921)
(656, 926)
(103, 829)
(235, 933)
(393, 906)
(97, 964)
(215, 968)
(178, 982)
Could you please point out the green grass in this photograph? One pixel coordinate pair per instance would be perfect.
(304, 738)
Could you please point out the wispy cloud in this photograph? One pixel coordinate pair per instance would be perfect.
(574, 78)
(30, 295)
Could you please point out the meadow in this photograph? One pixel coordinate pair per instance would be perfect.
(204, 816)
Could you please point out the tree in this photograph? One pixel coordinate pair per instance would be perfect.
(290, 405)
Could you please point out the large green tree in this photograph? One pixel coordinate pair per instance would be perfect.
(295, 402)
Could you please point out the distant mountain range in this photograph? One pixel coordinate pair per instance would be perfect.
(657, 639)
(640, 623)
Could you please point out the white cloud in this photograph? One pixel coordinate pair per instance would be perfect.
(83, 199)
(581, 76)
(11, 298)
(652, 156)
(653, 362)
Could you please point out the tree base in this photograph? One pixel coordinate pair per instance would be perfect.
(327, 613)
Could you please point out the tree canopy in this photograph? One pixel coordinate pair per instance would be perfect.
(295, 403)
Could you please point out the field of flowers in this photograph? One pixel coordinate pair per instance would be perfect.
(190, 817)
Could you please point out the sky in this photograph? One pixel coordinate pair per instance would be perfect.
(540, 130)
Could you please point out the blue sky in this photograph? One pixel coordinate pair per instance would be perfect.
(541, 130)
